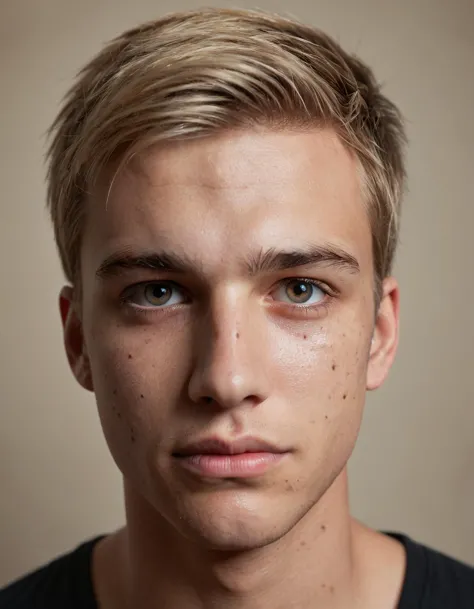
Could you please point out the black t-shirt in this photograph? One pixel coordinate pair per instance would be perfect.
(432, 581)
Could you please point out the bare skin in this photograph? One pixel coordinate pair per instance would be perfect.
(229, 347)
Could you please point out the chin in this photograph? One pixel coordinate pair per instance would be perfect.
(236, 521)
(237, 536)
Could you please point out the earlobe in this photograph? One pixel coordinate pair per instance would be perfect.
(385, 337)
(74, 339)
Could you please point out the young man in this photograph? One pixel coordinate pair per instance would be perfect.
(225, 191)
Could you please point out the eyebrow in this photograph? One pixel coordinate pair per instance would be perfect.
(265, 261)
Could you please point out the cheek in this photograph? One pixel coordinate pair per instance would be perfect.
(321, 376)
(137, 380)
(322, 366)
(136, 363)
(322, 380)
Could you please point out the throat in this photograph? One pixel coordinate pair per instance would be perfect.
(300, 570)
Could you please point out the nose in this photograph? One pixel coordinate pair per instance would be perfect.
(230, 365)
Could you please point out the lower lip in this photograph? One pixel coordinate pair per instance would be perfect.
(245, 465)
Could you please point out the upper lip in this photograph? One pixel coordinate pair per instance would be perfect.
(218, 446)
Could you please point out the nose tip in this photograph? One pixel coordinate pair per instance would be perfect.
(227, 373)
(228, 393)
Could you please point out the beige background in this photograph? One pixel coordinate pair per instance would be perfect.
(413, 467)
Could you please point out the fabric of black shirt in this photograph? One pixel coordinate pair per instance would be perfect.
(432, 581)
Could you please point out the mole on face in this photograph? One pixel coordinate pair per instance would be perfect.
(237, 335)
(142, 396)
(344, 396)
(334, 366)
(323, 527)
(129, 356)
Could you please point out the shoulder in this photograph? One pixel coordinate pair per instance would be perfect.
(64, 582)
(435, 580)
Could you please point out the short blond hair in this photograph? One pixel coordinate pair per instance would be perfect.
(195, 73)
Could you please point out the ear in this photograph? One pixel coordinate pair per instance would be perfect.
(74, 339)
(385, 337)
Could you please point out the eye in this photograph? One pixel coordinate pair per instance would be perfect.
(301, 291)
(155, 294)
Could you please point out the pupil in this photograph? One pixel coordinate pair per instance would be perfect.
(300, 290)
(159, 291)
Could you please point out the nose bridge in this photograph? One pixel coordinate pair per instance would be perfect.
(228, 363)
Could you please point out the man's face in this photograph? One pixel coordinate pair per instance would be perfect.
(227, 345)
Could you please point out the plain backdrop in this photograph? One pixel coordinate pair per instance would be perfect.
(412, 470)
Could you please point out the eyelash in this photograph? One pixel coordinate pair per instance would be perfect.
(125, 298)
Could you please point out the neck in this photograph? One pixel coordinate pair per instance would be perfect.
(311, 566)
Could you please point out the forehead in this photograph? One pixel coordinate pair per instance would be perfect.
(213, 197)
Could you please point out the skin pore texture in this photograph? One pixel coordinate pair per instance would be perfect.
(226, 344)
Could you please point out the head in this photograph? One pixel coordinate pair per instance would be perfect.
(225, 190)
